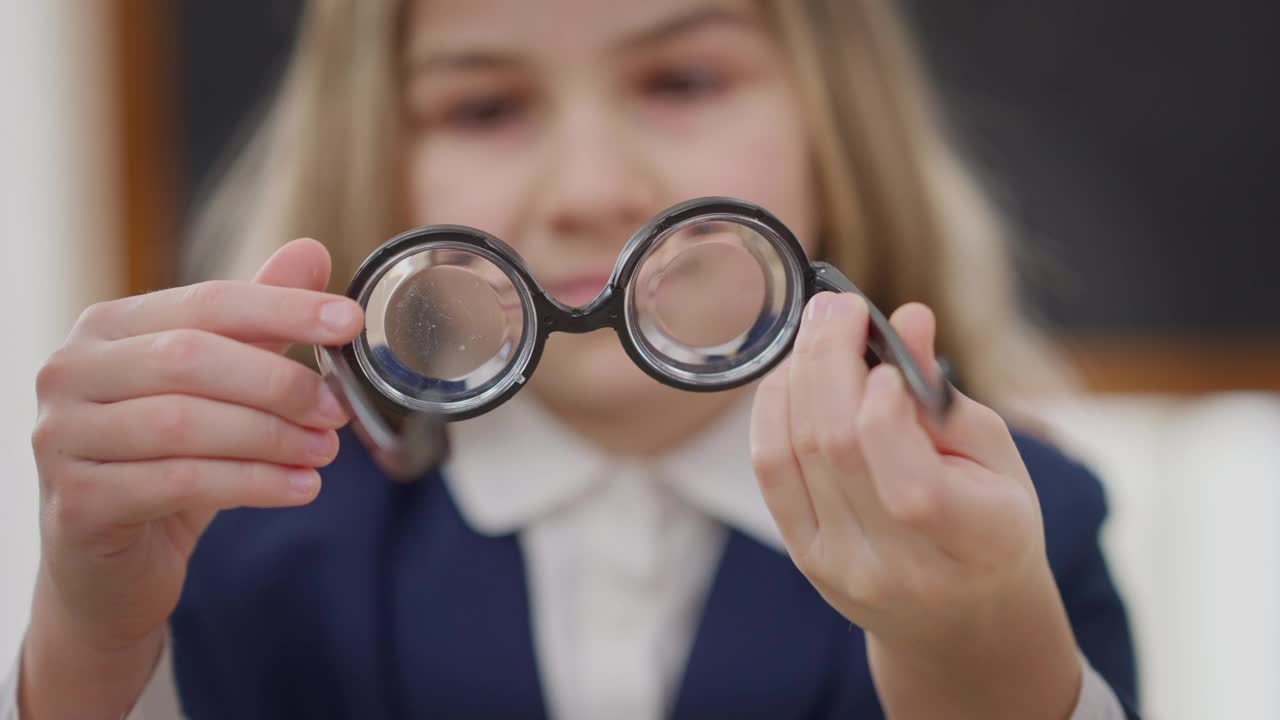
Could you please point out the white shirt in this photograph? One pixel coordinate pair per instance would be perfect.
(619, 554)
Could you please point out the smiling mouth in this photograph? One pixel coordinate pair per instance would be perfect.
(578, 291)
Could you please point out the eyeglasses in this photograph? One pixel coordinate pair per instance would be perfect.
(707, 296)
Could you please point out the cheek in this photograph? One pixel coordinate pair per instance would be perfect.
(449, 182)
(760, 154)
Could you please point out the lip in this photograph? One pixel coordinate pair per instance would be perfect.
(578, 290)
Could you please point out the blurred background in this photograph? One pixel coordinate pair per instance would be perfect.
(1133, 146)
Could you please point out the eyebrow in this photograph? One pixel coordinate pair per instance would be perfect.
(664, 31)
(682, 25)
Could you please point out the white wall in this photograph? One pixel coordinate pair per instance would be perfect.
(56, 233)
(1194, 540)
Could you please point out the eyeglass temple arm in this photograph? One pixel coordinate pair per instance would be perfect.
(935, 396)
(420, 446)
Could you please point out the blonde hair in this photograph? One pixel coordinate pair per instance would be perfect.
(901, 214)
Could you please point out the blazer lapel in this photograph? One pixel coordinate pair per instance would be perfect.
(766, 642)
(462, 642)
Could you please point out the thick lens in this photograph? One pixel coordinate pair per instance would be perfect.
(703, 287)
(709, 297)
(442, 323)
(445, 322)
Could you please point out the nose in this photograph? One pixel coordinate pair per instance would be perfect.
(597, 185)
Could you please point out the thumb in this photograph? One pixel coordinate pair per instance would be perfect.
(303, 263)
(971, 429)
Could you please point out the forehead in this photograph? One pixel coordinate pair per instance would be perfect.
(534, 26)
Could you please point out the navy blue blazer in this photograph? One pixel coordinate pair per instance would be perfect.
(378, 601)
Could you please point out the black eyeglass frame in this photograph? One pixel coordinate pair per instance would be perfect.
(420, 442)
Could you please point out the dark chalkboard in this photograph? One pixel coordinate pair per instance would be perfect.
(1134, 144)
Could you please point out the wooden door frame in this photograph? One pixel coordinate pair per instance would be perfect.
(147, 143)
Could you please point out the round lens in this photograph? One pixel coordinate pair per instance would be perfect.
(444, 328)
(712, 299)
(707, 293)
(445, 322)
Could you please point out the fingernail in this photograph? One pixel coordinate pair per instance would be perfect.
(338, 316)
(837, 306)
(852, 301)
(303, 482)
(330, 408)
(320, 444)
(819, 307)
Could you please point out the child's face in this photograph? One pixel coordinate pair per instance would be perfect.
(561, 126)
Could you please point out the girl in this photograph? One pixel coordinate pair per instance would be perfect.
(597, 547)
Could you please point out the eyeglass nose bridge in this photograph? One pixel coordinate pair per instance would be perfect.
(605, 311)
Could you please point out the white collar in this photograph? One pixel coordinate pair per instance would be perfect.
(516, 464)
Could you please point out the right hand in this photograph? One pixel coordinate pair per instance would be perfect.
(160, 410)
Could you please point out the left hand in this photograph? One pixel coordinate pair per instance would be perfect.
(929, 538)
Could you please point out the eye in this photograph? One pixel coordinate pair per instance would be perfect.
(684, 83)
(484, 112)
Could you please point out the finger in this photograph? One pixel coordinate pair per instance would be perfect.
(244, 311)
(202, 364)
(133, 492)
(908, 472)
(972, 430)
(916, 325)
(959, 506)
(777, 471)
(165, 426)
(826, 371)
(303, 263)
